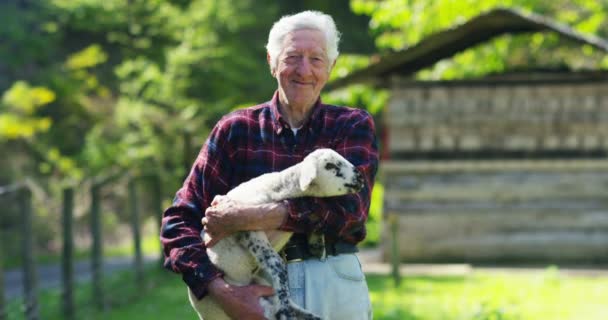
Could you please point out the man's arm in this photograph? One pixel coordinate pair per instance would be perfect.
(181, 225)
(227, 216)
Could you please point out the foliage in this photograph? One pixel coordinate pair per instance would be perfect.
(130, 79)
(362, 96)
(19, 105)
(167, 52)
(399, 24)
(139, 83)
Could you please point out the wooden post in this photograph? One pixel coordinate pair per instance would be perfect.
(135, 227)
(3, 313)
(29, 266)
(394, 230)
(97, 252)
(4, 191)
(67, 259)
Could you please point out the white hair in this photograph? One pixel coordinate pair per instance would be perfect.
(304, 20)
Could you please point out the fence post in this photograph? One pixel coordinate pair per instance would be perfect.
(97, 254)
(135, 227)
(29, 267)
(394, 226)
(3, 313)
(68, 258)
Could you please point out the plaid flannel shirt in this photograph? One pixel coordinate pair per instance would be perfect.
(249, 142)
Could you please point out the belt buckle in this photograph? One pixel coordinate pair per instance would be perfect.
(316, 245)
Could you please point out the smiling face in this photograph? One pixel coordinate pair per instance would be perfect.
(302, 68)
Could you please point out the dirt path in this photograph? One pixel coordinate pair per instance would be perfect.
(50, 276)
(371, 262)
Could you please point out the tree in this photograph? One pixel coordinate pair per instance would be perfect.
(402, 23)
(132, 78)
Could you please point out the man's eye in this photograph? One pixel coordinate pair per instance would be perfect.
(317, 61)
(291, 59)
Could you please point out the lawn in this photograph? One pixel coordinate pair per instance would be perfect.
(478, 296)
(491, 296)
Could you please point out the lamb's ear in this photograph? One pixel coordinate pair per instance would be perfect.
(308, 172)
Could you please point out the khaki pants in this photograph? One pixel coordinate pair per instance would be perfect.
(334, 288)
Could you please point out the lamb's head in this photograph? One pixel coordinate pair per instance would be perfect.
(326, 173)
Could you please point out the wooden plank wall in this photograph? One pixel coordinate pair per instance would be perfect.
(498, 211)
(508, 116)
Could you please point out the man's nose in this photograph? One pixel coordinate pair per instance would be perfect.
(304, 67)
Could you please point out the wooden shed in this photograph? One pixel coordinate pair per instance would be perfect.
(510, 167)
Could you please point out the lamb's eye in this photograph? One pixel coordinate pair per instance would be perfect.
(330, 166)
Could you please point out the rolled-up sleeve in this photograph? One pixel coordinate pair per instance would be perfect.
(181, 226)
(341, 217)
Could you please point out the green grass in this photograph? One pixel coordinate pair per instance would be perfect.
(483, 296)
(478, 296)
(163, 296)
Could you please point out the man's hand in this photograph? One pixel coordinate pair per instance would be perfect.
(240, 302)
(223, 218)
(226, 216)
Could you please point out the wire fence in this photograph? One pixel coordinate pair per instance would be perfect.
(118, 192)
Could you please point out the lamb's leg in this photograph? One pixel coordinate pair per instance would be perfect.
(271, 263)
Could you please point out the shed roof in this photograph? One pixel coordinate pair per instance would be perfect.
(448, 42)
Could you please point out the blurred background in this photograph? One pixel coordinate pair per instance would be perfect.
(491, 115)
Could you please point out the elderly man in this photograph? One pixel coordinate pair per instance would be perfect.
(325, 275)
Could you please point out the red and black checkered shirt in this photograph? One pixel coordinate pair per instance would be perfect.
(249, 142)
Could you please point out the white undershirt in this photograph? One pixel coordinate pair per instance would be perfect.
(295, 130)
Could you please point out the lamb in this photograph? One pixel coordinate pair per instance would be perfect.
(322, 173)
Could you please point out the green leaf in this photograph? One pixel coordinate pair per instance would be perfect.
(87, 58)
(24, 99)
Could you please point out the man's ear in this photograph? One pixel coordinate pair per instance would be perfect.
(270, 64)
(307, 174)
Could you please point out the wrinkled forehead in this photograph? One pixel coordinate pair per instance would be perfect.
(305, 40)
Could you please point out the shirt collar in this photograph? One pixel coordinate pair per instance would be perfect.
(280, 123)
